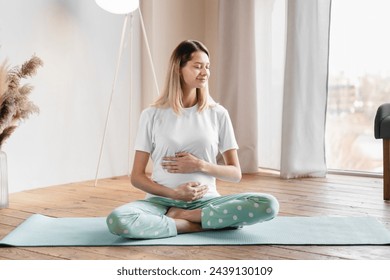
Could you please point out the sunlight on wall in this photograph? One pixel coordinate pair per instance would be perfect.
(78, 43)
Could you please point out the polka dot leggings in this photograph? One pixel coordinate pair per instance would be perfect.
(145, 219)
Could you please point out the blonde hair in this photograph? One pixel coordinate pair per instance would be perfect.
(172, 92)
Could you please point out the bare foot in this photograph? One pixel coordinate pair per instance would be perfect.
(189, 215)
(186, 220)
(184, 226)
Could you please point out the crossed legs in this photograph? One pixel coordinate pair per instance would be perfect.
(161, 217)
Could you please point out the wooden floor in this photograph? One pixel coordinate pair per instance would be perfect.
(335, 195)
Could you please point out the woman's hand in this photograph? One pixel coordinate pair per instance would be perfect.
(182, 163)
(190, 191)
(187, 163)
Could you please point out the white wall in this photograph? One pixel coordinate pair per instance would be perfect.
(78, 43)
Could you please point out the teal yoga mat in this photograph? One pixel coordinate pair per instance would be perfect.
(39, 230)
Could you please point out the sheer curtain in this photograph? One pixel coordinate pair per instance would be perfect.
(273, 65)
(236, 75)
(305, 89)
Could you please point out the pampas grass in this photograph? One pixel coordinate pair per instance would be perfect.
(15, 105)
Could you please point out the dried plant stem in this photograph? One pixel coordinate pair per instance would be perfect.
(15, 105)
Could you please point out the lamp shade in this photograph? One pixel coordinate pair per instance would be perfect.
(118, 6)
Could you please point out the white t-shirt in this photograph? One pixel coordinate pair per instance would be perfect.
(162, 132)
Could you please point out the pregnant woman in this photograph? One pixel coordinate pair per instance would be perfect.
(183, 132)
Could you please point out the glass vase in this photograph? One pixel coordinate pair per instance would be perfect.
(4, 203)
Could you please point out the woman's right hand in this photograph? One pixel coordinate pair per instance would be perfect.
(190, 191)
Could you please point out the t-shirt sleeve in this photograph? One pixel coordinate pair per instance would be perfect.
(144, 139)
(227, 139)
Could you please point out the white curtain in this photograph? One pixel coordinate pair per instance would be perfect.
(305, 89)
(270, 61)
(236, 76)
(272, 77)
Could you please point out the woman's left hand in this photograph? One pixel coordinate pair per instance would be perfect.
(182, 163)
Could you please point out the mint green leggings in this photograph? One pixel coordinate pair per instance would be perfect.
(145, 219)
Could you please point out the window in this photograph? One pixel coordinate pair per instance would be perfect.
(359, 81)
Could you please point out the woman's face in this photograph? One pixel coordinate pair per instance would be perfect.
(196, 72)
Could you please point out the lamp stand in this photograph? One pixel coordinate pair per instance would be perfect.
(131, 91)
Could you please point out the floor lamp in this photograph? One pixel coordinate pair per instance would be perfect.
(123, 7)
